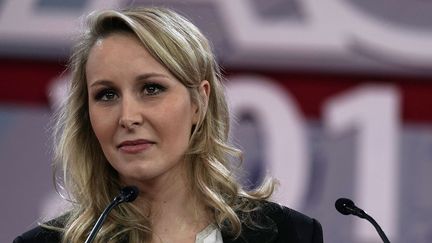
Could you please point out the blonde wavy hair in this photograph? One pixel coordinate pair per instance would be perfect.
(91, 181)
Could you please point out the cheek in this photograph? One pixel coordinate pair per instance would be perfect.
(178, 120)
(102, 124)
(93, 121)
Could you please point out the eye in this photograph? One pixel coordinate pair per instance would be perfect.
(153, 89)
(106, 95)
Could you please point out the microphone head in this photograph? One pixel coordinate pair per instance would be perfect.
(129, 193)
(344, 206)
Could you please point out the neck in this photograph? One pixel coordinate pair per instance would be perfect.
(172, 207)
(170, 186)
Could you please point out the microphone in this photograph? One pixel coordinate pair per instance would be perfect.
(346, 207)
(127, 194)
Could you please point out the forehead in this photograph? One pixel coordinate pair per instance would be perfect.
(116, 40)
(122, 56)
(119, 53)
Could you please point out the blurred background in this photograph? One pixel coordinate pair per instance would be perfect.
(332, 97)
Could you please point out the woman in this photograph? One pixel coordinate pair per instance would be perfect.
(147, 108)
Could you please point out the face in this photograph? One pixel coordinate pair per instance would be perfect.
(142, 116)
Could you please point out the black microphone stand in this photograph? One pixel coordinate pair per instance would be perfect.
(127, 194)
(346, 206)
(377, 228)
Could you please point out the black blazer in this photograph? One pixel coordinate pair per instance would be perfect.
(278, 225)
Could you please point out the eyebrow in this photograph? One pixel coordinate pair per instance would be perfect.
(139, 77)
(150, 75)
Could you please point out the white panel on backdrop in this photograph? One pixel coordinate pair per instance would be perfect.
(332, 34)
(403, 45)
(21, 22)
(332, 26)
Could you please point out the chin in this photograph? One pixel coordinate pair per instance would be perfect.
(138, 174)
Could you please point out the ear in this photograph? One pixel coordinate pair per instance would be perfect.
(204, 93)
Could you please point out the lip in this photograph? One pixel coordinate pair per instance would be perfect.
(135, 146)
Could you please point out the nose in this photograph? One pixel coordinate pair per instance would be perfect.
(130, 116)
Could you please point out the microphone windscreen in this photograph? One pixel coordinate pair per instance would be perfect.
(129, 193)
(343, 204)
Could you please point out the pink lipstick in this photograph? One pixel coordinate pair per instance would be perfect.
(134, 146)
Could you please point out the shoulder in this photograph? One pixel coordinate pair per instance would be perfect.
(39, 235)
(274, 223)
(43, 234)
(292, 224)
